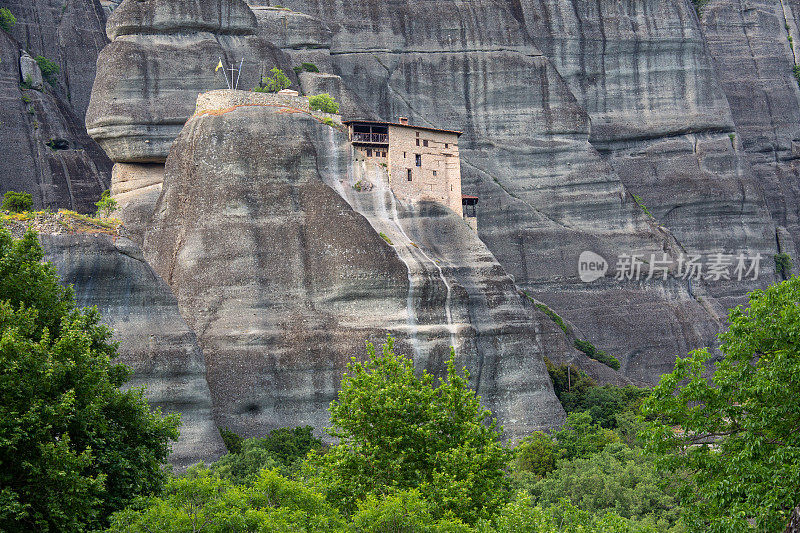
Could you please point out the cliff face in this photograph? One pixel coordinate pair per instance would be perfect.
(46, 151)
(568, 111)
(620, 127)
(754, 59)
(154, 340)
(284, 281)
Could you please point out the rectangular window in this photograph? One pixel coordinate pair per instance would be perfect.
(434, 172)
(404, 155)
(451, 188)
(446, 145)
(409, 174)
(417, 142)
(419, 160)
(425, 143)
(369, 152)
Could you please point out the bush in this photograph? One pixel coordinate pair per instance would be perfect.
(783, 265)
(284, 448)
(536, 454)
(401, 512)
(17, 202)
(49, 69)
(7, 19)
(106, 205)
(592, 352)
(618, 479)
(309, 67)
(232, 441)
(323, 102)
(272, 84)
(401, 430)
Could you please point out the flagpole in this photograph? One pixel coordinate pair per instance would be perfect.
(223, 73)
(238, 76)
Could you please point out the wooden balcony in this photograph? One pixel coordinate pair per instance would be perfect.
(371, 138)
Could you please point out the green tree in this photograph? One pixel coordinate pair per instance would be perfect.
(283, 448)
(323, 102)
(7, 19)
(618, 479)
(49, 69)
(17, 202)
(400, 431)
(522, 516)
(402, 512)
(580, 436)
(735, 438)
(536, 454)
(73, 446)
(272, 84)
(105, 205)
(203, 501)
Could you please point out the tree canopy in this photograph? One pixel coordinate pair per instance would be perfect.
(735, 438)
(402, 431)
(73, 446)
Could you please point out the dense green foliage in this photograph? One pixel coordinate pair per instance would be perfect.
(73, 446)
(17, 202)
(49, 69)
(784, 265)
(204, 501)
(323, 102)
(283, 448)
(272, 84)
(402, 431)
(598, 355)
(306, 67)
(7, 19)
(733, 440)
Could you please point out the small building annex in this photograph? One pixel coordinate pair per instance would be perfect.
(423, 163)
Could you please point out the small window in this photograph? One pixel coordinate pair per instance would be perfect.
(446, 145)
(419, 160)
(369, 152)
(417, 134)
(417, 142)
(434, 172)
(425, 143)
(404, 155)
(451, 188)
(409, 174)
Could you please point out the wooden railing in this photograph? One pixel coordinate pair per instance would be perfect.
(377, 138)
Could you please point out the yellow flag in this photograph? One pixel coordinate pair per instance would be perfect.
(218, 66)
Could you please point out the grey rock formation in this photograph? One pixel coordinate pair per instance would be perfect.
(284, 281)
(754, 62)
(154, 340)
(70, 33)
(164, 53)
(46, 151)
(659, 116)
(29, 71)
(546, 193)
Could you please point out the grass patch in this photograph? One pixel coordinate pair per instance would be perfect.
(386, 238)
(640, 203)
(598, 355)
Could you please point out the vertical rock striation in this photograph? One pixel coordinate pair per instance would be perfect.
(284, 281)
(46, 151)
(754, 47)
(154, 340)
